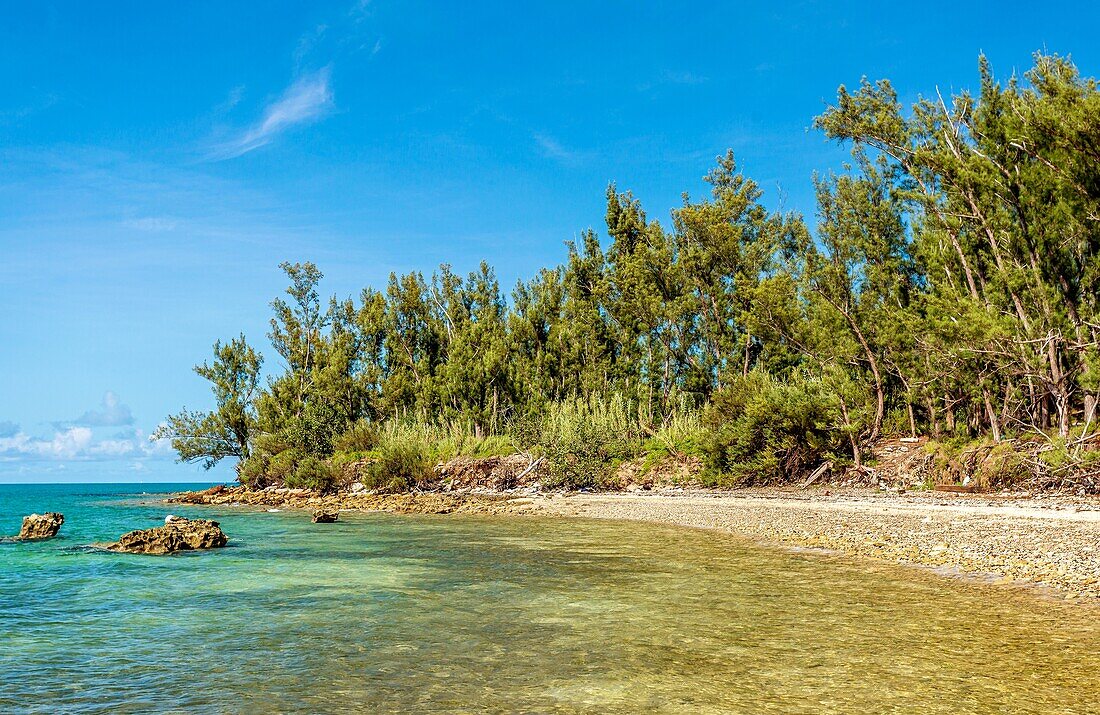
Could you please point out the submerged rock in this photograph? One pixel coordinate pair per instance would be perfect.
(177, 534)
(40, 526)
(325, 516)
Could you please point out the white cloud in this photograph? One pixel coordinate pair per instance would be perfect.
(156, 447)
(113, 448)
(307, 42)
(113, 414)
(307, 99)
(80, 444)
(94, 436)
(66, 444)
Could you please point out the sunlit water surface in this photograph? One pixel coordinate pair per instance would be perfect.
(383, 613)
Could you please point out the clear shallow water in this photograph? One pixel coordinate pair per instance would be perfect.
(458, 614)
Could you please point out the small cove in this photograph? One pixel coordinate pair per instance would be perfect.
(389, 613)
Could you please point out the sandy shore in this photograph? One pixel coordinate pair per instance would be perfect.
(1054, 542)
(1048, 540)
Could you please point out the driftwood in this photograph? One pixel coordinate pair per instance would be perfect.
(956, 488)
(816, 474)
(529, 469)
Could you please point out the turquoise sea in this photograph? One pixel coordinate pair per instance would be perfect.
(381, 613)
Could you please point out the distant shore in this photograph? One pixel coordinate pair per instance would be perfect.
(1051, 541)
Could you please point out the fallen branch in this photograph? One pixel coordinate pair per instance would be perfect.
(817, 474)
(529, 469)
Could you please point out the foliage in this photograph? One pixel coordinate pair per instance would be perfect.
(948, 284)
(583, 441)
(766, 430)
(361, 436)
(309, 472)
(209, 437)
(401, 463)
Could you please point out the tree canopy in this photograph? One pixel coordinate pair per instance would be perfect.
(948, 284)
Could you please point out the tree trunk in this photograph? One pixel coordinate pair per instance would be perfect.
(933, 416)
(880, 394)
(852, 439)
(994, 423)
(748, 346)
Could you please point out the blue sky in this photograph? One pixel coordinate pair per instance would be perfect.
(158, 160)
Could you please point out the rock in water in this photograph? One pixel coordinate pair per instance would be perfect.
(177, 534)
(40, 526)
(321, 516)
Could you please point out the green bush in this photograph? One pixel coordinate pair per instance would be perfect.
(399, 465)
(314, 430)
(254, 472)
(761, 430)
(312, 473)
(1004, 467)
(584, 441)
(281, 466)
(362, 436)
(444, 440)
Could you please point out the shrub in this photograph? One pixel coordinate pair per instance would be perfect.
(761, 430)
(254, 472)
(314, 430)
(1002, 468)
(583, 441)
(281, 466)
(400, 464)
(312, 473)
(362, 436)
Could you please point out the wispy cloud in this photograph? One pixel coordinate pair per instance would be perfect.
(671, 78)
(307, 99)
(151, 224)
(307, 42)
(232, 99)
(39, 104)
(551, 148)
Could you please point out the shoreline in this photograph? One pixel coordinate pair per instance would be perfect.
(1005, 541)
(1050, 541)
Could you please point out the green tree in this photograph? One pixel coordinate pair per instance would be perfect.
(227, 431)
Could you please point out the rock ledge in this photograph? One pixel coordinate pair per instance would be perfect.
(177, 534)
(40, 526)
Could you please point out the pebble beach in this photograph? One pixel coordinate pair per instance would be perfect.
(1050, 542)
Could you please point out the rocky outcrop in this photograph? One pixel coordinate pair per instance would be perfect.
(203, 497)
(177, 534)
(419, 503)
(40, 526)
(325, 516)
